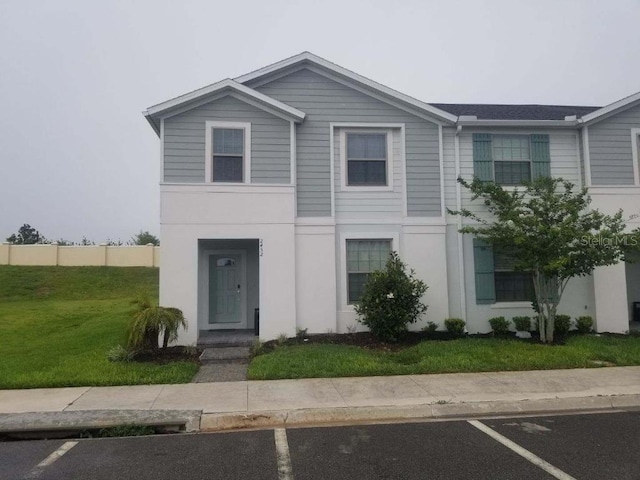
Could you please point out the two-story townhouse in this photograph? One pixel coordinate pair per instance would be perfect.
(283, 188)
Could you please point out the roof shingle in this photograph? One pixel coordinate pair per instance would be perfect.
(514, 112)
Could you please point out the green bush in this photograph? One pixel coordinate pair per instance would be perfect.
(121, 354)
(391, 300)
(499, 325)
(562, 324)
(430, 328)
(584, 324)
(455, 326)
(523, 324)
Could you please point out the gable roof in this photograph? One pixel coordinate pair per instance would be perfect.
(307, 58)
(514, 112)
(260, 100)
(612, 108)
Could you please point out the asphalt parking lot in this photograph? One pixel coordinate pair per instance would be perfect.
(586, 446)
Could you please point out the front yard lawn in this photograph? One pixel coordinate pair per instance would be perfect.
(462, 355)
(57, 324)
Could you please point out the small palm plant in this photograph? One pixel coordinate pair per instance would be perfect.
(149, 321)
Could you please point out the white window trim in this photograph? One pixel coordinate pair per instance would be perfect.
(635, 138)
(208, 150)
(395, 247)
(345, 187)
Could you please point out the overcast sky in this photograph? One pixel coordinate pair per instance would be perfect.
(77, 157)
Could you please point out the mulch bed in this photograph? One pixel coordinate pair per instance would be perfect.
(168, 355)
(361, 339)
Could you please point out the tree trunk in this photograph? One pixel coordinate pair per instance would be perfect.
(151, 339)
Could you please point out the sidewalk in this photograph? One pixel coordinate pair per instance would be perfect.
(252, 404)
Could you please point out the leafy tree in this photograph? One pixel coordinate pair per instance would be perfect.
(64, 243)
(149, 321)
(391, 300)
(27, 235)
(85, 242)
(144, 238)
(547, 228)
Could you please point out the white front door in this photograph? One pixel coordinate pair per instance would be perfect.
(226, 291)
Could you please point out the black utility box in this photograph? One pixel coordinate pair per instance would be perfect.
(636, 311)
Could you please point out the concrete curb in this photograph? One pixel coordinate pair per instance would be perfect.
(211, 422)
(196, 420)
(185, 420)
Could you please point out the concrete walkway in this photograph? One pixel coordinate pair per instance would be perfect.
(250, 404)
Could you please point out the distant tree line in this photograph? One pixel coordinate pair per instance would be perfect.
(27, 235)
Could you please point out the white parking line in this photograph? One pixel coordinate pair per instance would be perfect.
(38, 469)
(546, 466)
(282, 454)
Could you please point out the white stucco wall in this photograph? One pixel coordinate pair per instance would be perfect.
(420, 246)
(196, 212)
(578, 299)
(315, 249)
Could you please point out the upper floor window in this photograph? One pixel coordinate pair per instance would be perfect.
(366, 159)
(511, 159)
(228, 152)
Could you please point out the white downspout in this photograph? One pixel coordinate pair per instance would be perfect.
(461, 269)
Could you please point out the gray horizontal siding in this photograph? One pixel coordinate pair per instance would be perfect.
(324, 101)
(184, 142)
(369, 204)
(610, 151)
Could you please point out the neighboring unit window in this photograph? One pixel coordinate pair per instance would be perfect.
(495, 277)
(511, 286)
(511, 159)
(364, 257)
(228, 155)
(367, 159)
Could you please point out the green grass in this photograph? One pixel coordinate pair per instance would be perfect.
(463, 355)
(57, 323)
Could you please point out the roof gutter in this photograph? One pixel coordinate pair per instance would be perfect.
(466, 121)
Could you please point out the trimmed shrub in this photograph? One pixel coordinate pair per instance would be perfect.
(523, 324)
(455, 326)
(499, 325)
(562, 324)
(391, 300)
(430, 328)
(584, 324)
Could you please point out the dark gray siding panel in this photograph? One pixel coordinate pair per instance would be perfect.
(184, 140)
(610, 148)
(325, 100)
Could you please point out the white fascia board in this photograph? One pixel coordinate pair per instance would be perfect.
(314, 59)
(154, 125)
(519, 123)
(590, 117)
(294, 113)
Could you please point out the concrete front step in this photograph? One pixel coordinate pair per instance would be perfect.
(224, 355)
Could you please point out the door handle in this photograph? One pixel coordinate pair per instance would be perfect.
(238, 288)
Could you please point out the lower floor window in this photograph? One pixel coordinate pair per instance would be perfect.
(510, 285)
(514, 286)
(364, 257)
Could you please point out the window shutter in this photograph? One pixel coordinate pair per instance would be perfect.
(482, 158)
(483, 265)
(540, 156)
